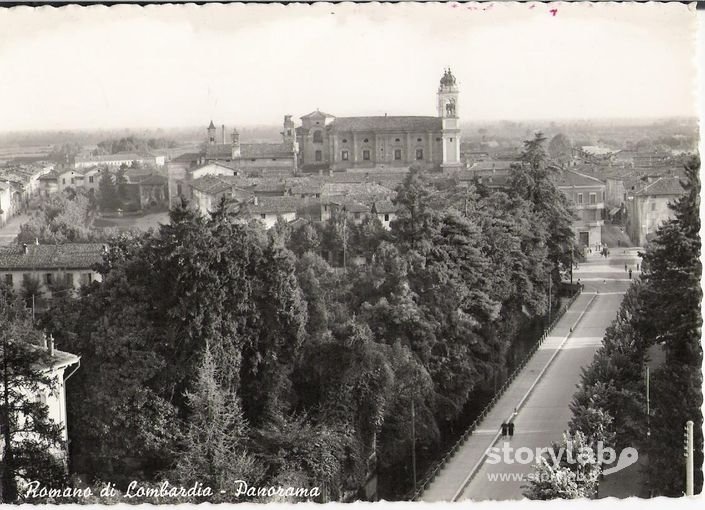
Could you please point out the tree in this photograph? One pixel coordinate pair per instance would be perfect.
(560, 148)
(33, 443)
(109, 198)
(574, 476)
(672, 303)
(214, 445)
(65, 217)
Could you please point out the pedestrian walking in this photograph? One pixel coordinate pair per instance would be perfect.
(630, 273)
(625, 268)
(511, 429)
(637, 267)
(504, 429)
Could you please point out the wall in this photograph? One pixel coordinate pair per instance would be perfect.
(645, 214)
(271, 218)
(58, 275)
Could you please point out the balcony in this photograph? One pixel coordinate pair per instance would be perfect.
(598, 205)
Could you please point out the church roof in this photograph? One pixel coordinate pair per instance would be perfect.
(211, 126)
(266, 150)
(219, 151)
(317, 114)
(386, 123)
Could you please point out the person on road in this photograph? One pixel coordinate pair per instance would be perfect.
(511, 429)
(625, 268)
(504, 430)
(630, 273)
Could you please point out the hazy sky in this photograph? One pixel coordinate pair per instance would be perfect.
(164, 66)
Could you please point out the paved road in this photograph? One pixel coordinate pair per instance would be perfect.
(545, 413)
(9, 231)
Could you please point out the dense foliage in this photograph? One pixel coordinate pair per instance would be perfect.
(211, 330)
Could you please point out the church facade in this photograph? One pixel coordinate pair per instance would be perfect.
(332, 143)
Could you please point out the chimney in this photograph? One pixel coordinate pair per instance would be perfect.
(24, 248)
(223, 131)
(51, 345)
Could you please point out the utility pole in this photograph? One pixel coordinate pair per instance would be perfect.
(688, 454)
(571, 264)
(413, 443)
(549, 298)
(648, 409)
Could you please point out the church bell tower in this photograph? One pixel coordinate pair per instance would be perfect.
(211, 134)
(447, 107)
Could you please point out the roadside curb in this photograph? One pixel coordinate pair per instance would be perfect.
(523, 400)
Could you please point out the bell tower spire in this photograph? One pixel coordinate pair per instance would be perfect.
(447, 107)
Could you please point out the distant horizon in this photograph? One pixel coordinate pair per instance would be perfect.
(630, 120)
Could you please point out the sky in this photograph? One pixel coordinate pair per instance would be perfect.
(178, 65)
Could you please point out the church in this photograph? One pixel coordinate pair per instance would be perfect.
(326, 142)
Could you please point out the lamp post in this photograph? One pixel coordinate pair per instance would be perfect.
(413, 442)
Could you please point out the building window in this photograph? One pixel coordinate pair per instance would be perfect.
(319, 156)
(366, 155)
(263, 216)
(178, 189)
(653, 206)
(419, 140)
(73, 180)
(356, 215)
(386, 217)
(593, 198)
(345, 140)
(397, 140)
(451, 139)
(68, 278)
(90, 179)
(86, 278)
(419, 154)
(48, 278)
(365, 140)
(288, 132)
(317, 137)
(344, 155)
(580, 199)
(8, 279)
(438, 139)
(63, 180)
(397, 154)
(273, 159)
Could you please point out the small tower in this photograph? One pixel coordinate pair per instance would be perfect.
(211, 134)
(289, 133)
(448, 112)
(235, 136)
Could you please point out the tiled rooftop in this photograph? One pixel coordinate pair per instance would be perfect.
(663, 186)
(386, 123)
(51, 256)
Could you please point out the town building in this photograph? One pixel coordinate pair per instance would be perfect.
(49, 183)
(58, 366)
(10, 201)
(332, 143)
(50, 266)
(120, 159)
(647, 207)
(587, 193)
(254, 159)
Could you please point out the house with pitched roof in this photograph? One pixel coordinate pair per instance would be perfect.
(587, 193)
(381, 142)
(48, 183)
(647, 207)
(65, 265)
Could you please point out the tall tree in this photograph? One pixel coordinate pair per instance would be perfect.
(33, 444)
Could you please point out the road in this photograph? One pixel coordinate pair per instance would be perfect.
(550, 380)
(9, 231)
